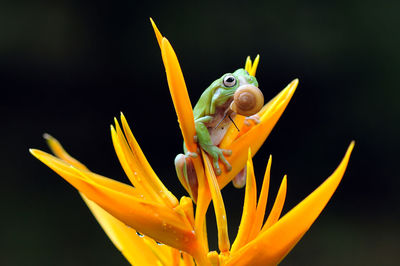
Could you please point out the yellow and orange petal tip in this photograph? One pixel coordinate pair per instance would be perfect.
(253, 69)
(157, 32)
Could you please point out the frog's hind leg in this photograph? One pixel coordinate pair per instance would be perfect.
(187, 174)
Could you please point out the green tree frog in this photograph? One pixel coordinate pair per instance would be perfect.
(233, 93)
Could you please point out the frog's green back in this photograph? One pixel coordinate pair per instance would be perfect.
(202, 107)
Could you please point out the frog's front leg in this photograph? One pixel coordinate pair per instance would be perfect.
(204, 140)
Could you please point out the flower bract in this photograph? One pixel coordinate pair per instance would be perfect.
(150, 226)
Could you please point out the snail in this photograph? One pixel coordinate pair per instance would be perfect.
(247, 100)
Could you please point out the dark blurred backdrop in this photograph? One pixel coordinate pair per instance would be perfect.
(68, 67)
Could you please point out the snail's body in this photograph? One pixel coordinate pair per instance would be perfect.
(219, 100)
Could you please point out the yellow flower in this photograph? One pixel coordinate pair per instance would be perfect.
(148, 224)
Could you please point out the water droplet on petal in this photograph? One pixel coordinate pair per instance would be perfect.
(164, 225)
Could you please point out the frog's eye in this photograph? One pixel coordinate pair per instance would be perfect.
(229, 81)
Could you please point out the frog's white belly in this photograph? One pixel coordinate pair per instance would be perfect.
(218, 133)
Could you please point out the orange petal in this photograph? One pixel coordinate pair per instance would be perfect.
(249, 207)
(180, 98)
(162, 252)
(262, 202)
(256, 136)
(176, 257)
(232, 132)
(179, 94)
(253, 70)
(140, 160)
(219, 207)
(203, 201)
(186, 204)
(60, 152)
(134, 171)
(271, 246)
(157, 221)
(247, 65)
(157, 32)
(213, 258)
(187, 260)
(277, 207)
(123, 237)
(177, 88)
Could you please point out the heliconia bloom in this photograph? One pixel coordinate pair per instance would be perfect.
(150, 226)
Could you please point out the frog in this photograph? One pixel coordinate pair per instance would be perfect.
(210, 114)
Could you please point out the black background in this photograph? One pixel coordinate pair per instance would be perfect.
(68, 67)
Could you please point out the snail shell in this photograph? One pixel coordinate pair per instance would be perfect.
(247, 100)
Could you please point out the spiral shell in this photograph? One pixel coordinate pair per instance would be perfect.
(247, 100)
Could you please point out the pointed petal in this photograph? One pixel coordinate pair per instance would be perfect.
(180, 98)
(123, 237)
(157, 32)
(161, 251)
(256, 136)
(253, 70)
(176, 257)
(60, 152)
(249, 207)
(179, 94)
(187, 260)
(159, 222)
(142, 162)
(219, 207)
(133, 170)
(187, 205)
(262, 202)
(182, 104)
(277, 207)
(247, 65)
(203, 201)
(271, 246)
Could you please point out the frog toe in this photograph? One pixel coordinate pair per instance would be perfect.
(218, 171)
(226, 152)
(226, 163)
(216, 167)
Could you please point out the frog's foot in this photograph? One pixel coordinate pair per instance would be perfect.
(218, 154)
(255, 118)
(240, 179)
(186, 173)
